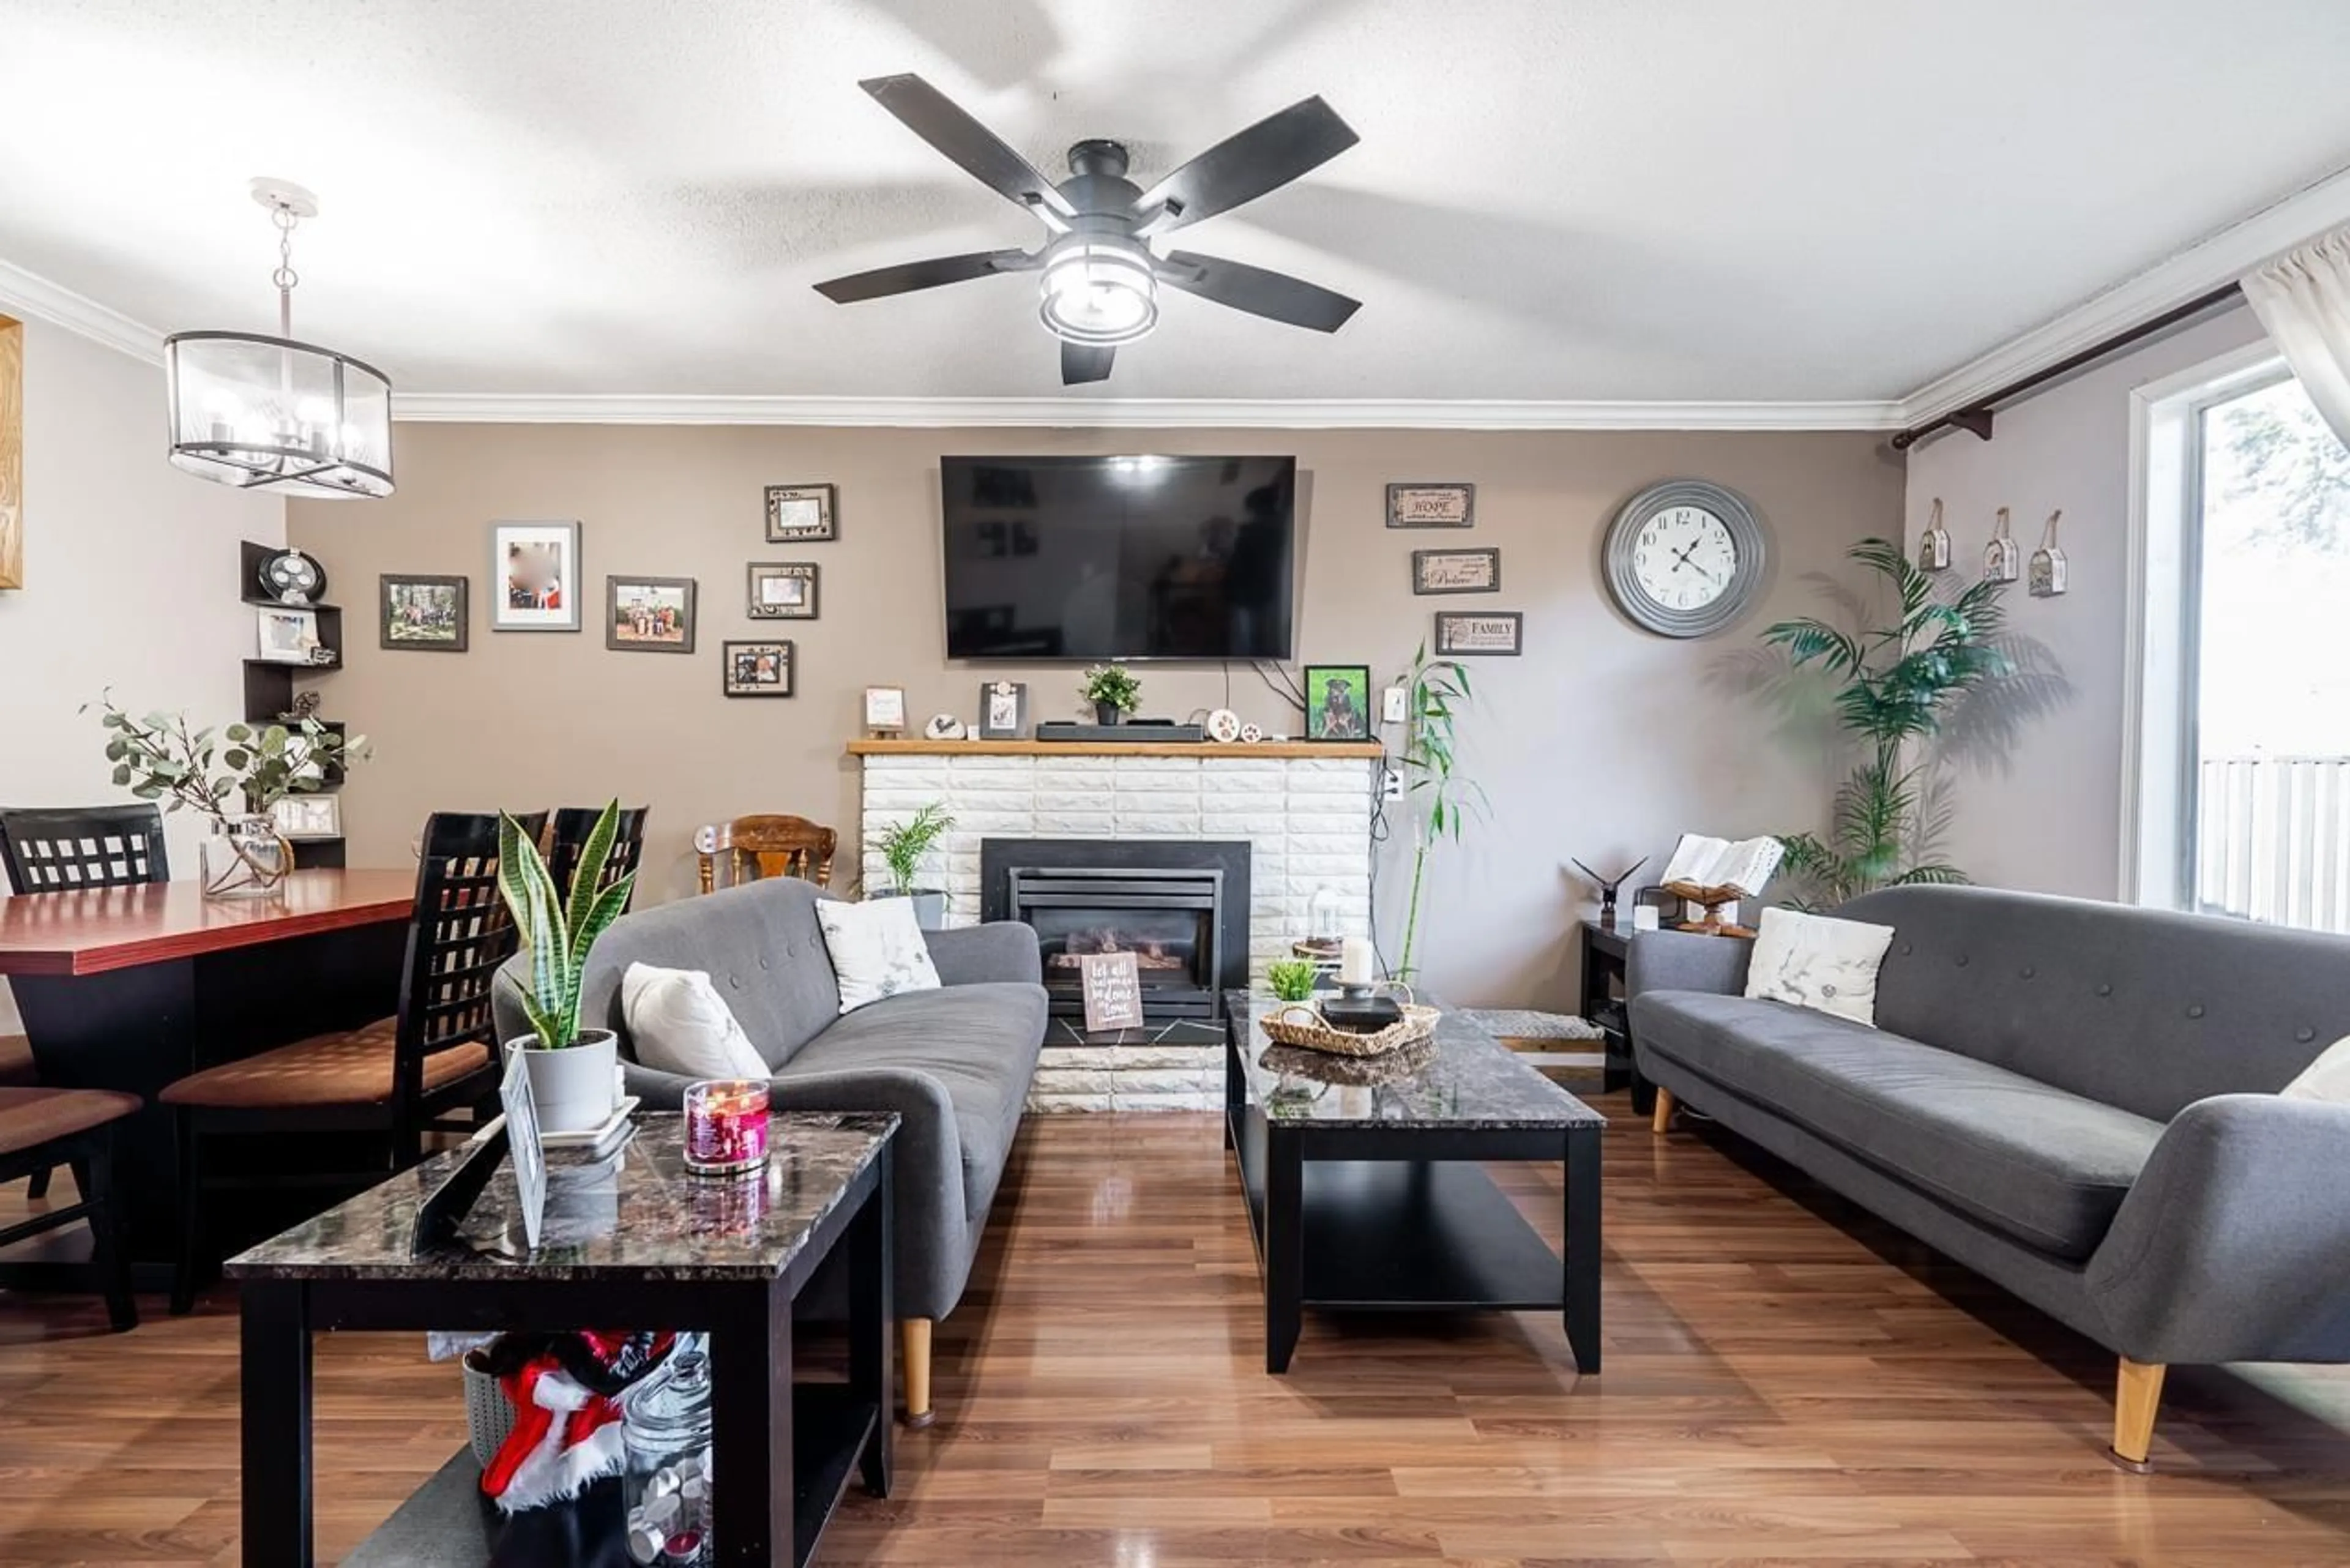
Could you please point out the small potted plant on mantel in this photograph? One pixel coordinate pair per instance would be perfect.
(903, 847)
(572, 1070)
(1113, 690)
(160, 758)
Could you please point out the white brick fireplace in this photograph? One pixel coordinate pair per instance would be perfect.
(1304, 812)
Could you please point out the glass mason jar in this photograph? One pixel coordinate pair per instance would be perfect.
(245, 860)
(665, 1434)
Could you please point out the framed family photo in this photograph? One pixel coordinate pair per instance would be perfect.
(648, 614)
(285, 635)
(783, 590)
(801, 512)
(423, 613)
(535, 577)
(1337, 702)
(307, 817)
(755, 669)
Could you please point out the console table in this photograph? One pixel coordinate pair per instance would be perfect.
(633, 1242)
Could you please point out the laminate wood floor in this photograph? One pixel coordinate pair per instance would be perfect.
(1786, 1382)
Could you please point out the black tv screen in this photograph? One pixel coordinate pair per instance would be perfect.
(1119, 557)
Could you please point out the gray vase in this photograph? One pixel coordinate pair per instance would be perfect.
(930, 907)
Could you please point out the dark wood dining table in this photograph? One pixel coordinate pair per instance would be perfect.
(130, 988)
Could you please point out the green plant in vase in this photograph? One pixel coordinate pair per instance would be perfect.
(1292, 978)
(1113, 689)
(571, 1069)
(1438, 690)
(903, 849)
(233, 777)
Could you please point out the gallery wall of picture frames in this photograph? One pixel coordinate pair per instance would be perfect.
(1441, 571)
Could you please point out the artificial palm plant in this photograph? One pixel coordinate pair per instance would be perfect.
(1438, 689)
(1898, 682)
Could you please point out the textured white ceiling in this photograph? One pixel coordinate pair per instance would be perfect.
(1553, 199)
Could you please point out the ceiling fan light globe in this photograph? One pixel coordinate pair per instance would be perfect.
(1099, 291)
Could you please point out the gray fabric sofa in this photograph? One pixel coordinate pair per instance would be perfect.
(954, 1063)
(2077, 1100)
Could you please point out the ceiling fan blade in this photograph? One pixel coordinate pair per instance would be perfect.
(1240, 168)
(939, 121)
(1085, 362)
(1273, 294)
(907, 276)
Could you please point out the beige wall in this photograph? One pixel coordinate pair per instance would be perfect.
(131, 580)
(1604, 741)
(2051, 820)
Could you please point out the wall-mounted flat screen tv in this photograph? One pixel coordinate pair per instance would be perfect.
(1119, 557)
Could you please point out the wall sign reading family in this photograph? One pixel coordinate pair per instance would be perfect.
(650, 615)
(535, 567)
(1499, 632)
(1431, 505)
(1456, 571)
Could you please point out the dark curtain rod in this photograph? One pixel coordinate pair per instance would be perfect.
(1975, 417)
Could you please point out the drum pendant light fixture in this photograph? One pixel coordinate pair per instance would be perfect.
(255, 411)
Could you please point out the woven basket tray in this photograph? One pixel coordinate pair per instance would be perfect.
(1302, 1025)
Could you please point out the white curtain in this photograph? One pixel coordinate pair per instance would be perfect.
(2303, 300)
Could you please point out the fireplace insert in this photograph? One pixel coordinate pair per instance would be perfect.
(1179, 907)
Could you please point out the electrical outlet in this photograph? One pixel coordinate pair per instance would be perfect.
(1391, 705)
(1392, 784)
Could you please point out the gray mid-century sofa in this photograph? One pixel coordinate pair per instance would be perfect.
(954, 1063)
(2077, 1100)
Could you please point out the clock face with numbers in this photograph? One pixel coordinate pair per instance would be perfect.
(1685, 558)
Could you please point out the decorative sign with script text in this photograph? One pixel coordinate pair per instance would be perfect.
(1113, 988)
(1431, 505)
(1500, 633)
(1456, 571)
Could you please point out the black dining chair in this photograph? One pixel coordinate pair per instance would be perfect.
(399, 1077)
(54, 849)
(43, 1128)
(568, 836)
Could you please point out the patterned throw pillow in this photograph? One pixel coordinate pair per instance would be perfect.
(2327, 1078)
(1812, 960)
(877, 950)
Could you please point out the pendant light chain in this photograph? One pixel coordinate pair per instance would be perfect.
(285, 277)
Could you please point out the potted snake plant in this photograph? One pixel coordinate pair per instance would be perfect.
(572, 1070)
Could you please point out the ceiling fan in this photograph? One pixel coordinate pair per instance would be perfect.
(1100, 280)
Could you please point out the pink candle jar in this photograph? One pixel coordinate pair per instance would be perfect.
(726, 1127)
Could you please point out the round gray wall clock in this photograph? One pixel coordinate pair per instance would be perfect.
(1685, 557)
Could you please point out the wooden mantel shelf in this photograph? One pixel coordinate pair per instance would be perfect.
(1284, 749)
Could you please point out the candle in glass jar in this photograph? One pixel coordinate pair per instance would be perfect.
(725, 1127)
(1355, 962)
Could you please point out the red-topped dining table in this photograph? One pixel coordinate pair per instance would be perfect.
(130, 988)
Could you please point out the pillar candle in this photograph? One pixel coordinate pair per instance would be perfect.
(1355, 962)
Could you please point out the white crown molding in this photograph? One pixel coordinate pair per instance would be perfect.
(1138, 413)
(27, 294)
(2210, 263)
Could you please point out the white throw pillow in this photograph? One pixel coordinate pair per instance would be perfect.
(2327, 1078)
(877, 950)
(679, 1023)
(1814, 962)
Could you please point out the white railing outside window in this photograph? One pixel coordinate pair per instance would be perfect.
(2272, 840)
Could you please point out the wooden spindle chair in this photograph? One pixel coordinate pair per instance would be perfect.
(753, 847)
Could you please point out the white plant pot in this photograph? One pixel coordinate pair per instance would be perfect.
(572, 1089)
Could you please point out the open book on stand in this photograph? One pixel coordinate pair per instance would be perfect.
(1713, 872)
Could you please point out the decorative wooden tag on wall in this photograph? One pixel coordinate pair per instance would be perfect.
(2003, 558)
(12, 452)
(1113, 990)
(2048, 567)
(1431, 505)
(1934, 544)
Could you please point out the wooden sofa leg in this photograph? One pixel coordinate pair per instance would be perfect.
(2138, 1391)
(914, 1358)
(1661, 1121)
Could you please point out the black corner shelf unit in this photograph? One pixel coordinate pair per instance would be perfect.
(269, 686)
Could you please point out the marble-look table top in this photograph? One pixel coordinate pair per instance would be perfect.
(637, 1214)
(1460, 1079)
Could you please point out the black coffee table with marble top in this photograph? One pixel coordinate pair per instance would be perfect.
(1364, 1191)
(633, 1242)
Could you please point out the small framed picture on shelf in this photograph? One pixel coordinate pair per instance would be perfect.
(648, 614)
(308, 816)
(755, 669)
(1456, 571)
(1337, 702)
(535, 577)
(783, 590)
(797, 512)
(285, 635)
(422, 614)
(885, 710)
(1003, 710)
(1490, 634)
